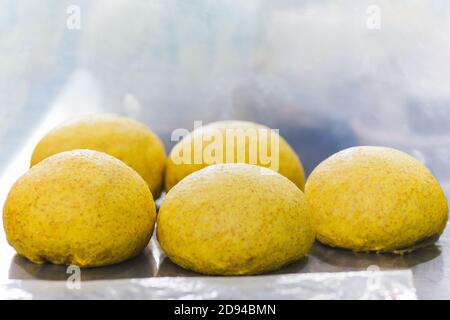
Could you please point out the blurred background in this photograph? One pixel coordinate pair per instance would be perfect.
(328, 74)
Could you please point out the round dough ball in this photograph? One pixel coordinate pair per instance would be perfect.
(375, 199)
(225, 136)
(81, 207)
(123, 138)
(234, 219)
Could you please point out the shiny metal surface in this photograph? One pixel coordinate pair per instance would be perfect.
(318, 71)
(386, 285)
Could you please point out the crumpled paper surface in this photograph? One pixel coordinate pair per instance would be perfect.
(387, 285)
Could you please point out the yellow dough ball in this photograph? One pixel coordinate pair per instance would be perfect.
(80, 207)
(234, 219)
(123, 138)
(233, 142)
(375, 199)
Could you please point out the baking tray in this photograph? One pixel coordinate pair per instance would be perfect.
(321, 72)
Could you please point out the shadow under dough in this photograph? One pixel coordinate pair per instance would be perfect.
(142, 266)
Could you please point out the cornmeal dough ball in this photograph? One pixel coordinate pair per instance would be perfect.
(121, 137)
(234, 219)
(375, 199)
(80, 207)
(233, 142)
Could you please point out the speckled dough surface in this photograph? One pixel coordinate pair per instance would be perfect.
(375, 199)
(81, 207)
(123, 138)
(234, 219)
(290, 165)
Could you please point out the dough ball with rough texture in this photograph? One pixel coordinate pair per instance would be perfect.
(234, 219)
(375, 199)
(233, 142)
(80, 207)
(123, 138)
